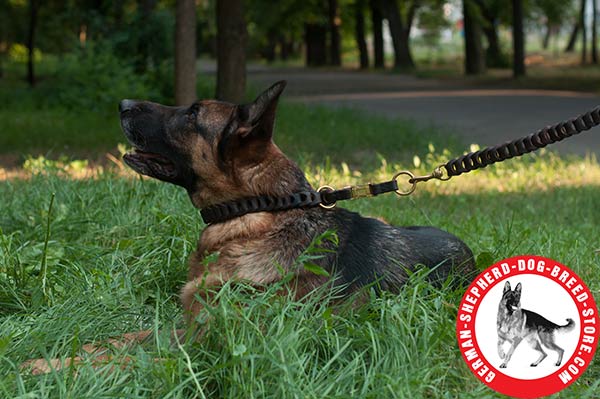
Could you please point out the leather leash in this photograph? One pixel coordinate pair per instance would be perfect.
(327, 197)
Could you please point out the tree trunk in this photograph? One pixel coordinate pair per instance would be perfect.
(547, 35)
(285, 48)
(361, 43)
(231, 50)
(573, 37)
(269, 50)
(376, 21)
(119, 10)
(315, 37)
(145, 9)
(494, 58)
(474, 57)
(33, 12)
(518, 39)
(583, 33)
(400, 35)
(185, 52)
(4, 46)
(594, 32)
(335, 41)
(493, 53)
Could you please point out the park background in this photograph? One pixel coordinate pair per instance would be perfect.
(89, 250)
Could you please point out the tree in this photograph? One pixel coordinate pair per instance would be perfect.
(335, 41)
(518, 39)
(316, 14)
(573, 37)
(376, 22)
(33, 13)
(553, 12)
(185, 52)
(474, 56)
(594, 33)
(583, 33)
(146, 8)
(231, 50)
(400, 32)
(315, 37)
(431, 22)
(359, 33)
(490, 12)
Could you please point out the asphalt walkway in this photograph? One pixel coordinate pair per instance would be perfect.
(486, 116)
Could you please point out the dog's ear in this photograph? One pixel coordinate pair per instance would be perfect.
(518, 290)
(506, 287)
(258, 118)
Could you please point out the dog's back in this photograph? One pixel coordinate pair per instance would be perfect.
(370, 251)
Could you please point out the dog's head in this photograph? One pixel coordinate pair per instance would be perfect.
(216, 150)
(511, 299)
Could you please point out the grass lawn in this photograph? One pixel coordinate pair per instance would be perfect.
(110, 255)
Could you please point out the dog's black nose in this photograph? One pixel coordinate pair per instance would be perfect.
(126, 105)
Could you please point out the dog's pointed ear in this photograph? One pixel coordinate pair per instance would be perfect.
(258, 118)
(518, 289)
(506, 287)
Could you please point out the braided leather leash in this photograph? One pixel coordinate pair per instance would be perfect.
(327, 197)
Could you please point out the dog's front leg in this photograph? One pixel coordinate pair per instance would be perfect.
(97, 355)
(501, 352)
(513, 346)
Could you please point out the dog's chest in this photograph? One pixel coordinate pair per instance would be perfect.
(510, 325)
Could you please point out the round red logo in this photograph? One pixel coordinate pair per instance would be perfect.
(527, 326)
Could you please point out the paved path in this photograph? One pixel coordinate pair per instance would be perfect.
(484, 116)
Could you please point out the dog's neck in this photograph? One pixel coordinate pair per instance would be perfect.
(275, 184)
(240, 228)
(275, 176)
(277, 168)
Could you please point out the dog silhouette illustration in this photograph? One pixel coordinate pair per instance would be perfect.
(515, 324)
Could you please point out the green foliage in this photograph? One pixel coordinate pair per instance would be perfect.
(431, 21)
(94, 78)
(18, 53)
(147, 40)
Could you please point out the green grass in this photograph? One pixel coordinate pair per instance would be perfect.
(116, 257)
(343, 135)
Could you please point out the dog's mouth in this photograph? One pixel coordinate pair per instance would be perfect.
(151, 164)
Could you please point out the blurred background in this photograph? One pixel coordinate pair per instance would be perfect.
(485, 70)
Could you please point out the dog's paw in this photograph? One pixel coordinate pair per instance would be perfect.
(558, 363)
(503, 366)
(43, 366)
(533, 364)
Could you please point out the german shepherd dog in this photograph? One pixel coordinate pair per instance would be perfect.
(222, 152)
(516, 324)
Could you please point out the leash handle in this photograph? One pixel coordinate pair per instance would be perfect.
(516, 148)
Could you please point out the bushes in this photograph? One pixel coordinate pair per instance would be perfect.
(93, 78)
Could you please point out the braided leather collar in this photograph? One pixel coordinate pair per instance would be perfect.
(304, 199)
(263, 203)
